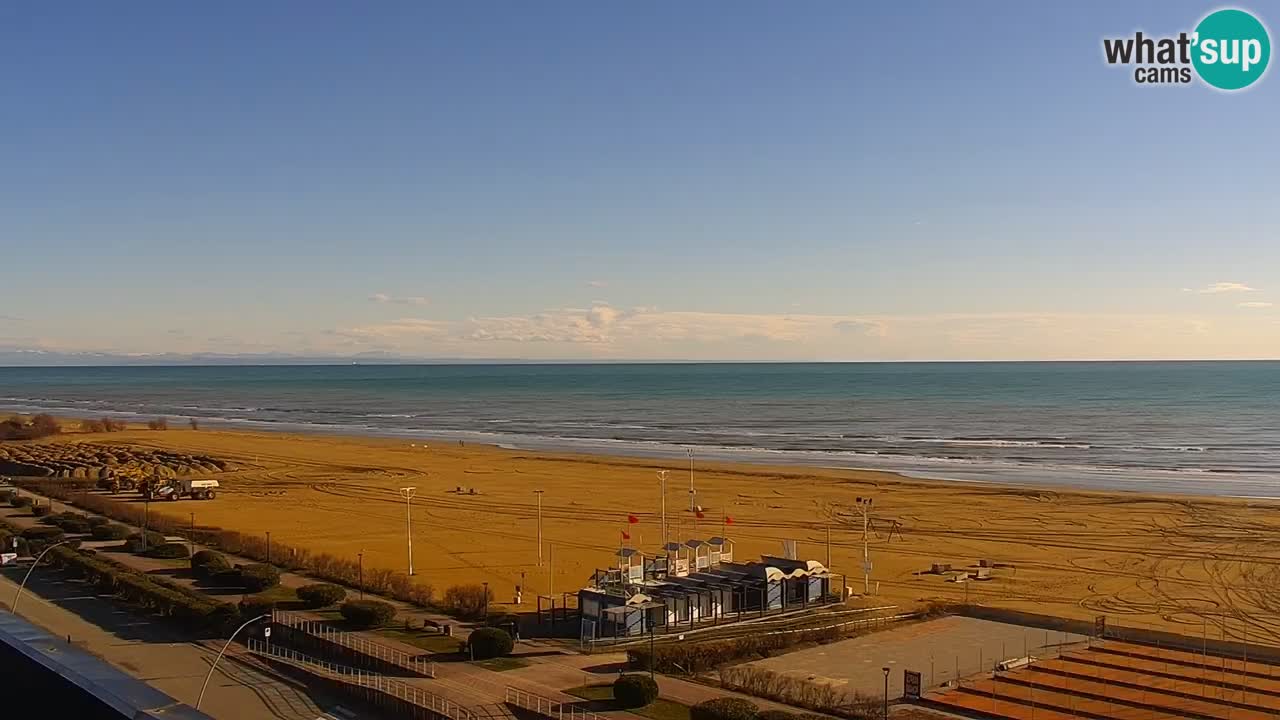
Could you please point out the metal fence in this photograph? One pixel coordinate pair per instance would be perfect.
(547, 707)
(364, 679)
(356, 643)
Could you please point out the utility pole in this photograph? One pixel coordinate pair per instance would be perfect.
(828, 544)
(864, 505)
(407, 493)
(693, 494)
(191, 540)
(539, 494)
(360, 573)
(551, 574)
(268, 547)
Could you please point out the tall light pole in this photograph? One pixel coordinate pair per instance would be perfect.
(692, 493)
(886, 692)
(360, 572)
(864, 506)
(539, 494)
(662, 477)
(14, 607)
(220, 654)
(407, 493)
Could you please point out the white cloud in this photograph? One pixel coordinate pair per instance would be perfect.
(597, 283)
(1254, 304)
(384, 299)
(1221, 287)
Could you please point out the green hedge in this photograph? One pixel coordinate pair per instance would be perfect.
(134, 542)
(254, 605)
(490, 642)
(725, 708)
(207, 564)
(367, 613)
(634, 690)
(320, 595)
(258, 577)
(169, 551)
(110, 531)
(190, 609)
(20, 501)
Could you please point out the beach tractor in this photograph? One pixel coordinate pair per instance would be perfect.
(183, 487)
(127, 477)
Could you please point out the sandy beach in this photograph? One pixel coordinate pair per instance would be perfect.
(1177, 562)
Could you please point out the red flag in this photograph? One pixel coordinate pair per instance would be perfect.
(626, 535)
(699, 515)
(728, 519)
(633, 519)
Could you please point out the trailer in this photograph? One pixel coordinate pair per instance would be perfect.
(186, 487)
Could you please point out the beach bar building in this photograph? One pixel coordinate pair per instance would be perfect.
(694, 583)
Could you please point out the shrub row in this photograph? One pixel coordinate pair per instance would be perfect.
(700, 657)
(70, 522)
(194, 611)
(466, 601)
(791, 690)
(16, 428)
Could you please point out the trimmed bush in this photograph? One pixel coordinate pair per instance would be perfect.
(781, 715)
(168, 551)
(725, 708)
(208, 564)
(258, 577)
(490, 642)
(99, 521)
(255, 605)
(41, 510)
(321, 595)
(367, 613)
(20, 501)
(634, 691)
(110, 531)
(133, 543)
(43, 533)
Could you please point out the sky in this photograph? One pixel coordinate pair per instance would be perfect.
(666, 180)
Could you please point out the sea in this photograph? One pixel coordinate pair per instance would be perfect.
(1204, 428)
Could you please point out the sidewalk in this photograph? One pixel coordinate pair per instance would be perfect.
(146, 651)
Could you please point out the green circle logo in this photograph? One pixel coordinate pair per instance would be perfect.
(1232, 49)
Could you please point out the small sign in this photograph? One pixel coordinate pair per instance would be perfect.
(266, 632)
(866, 567)
(910, 684)
(6, 558)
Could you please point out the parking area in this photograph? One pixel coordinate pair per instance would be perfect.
(940, 650)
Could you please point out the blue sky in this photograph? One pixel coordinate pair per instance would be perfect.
(830, 181)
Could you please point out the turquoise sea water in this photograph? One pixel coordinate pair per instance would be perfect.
(1197, 427)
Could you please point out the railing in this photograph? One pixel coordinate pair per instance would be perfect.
(361, 678)
(356, 643)
(547, 707)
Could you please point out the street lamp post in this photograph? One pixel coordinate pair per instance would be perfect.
(662, 478)
(268, 547)
(191, 541)
(360, 573)
(486, 601)
(221, 652)
(692, 493)
(14, 607)
(886, 692)
(864, 506)
(539, 494)
(407, 493)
